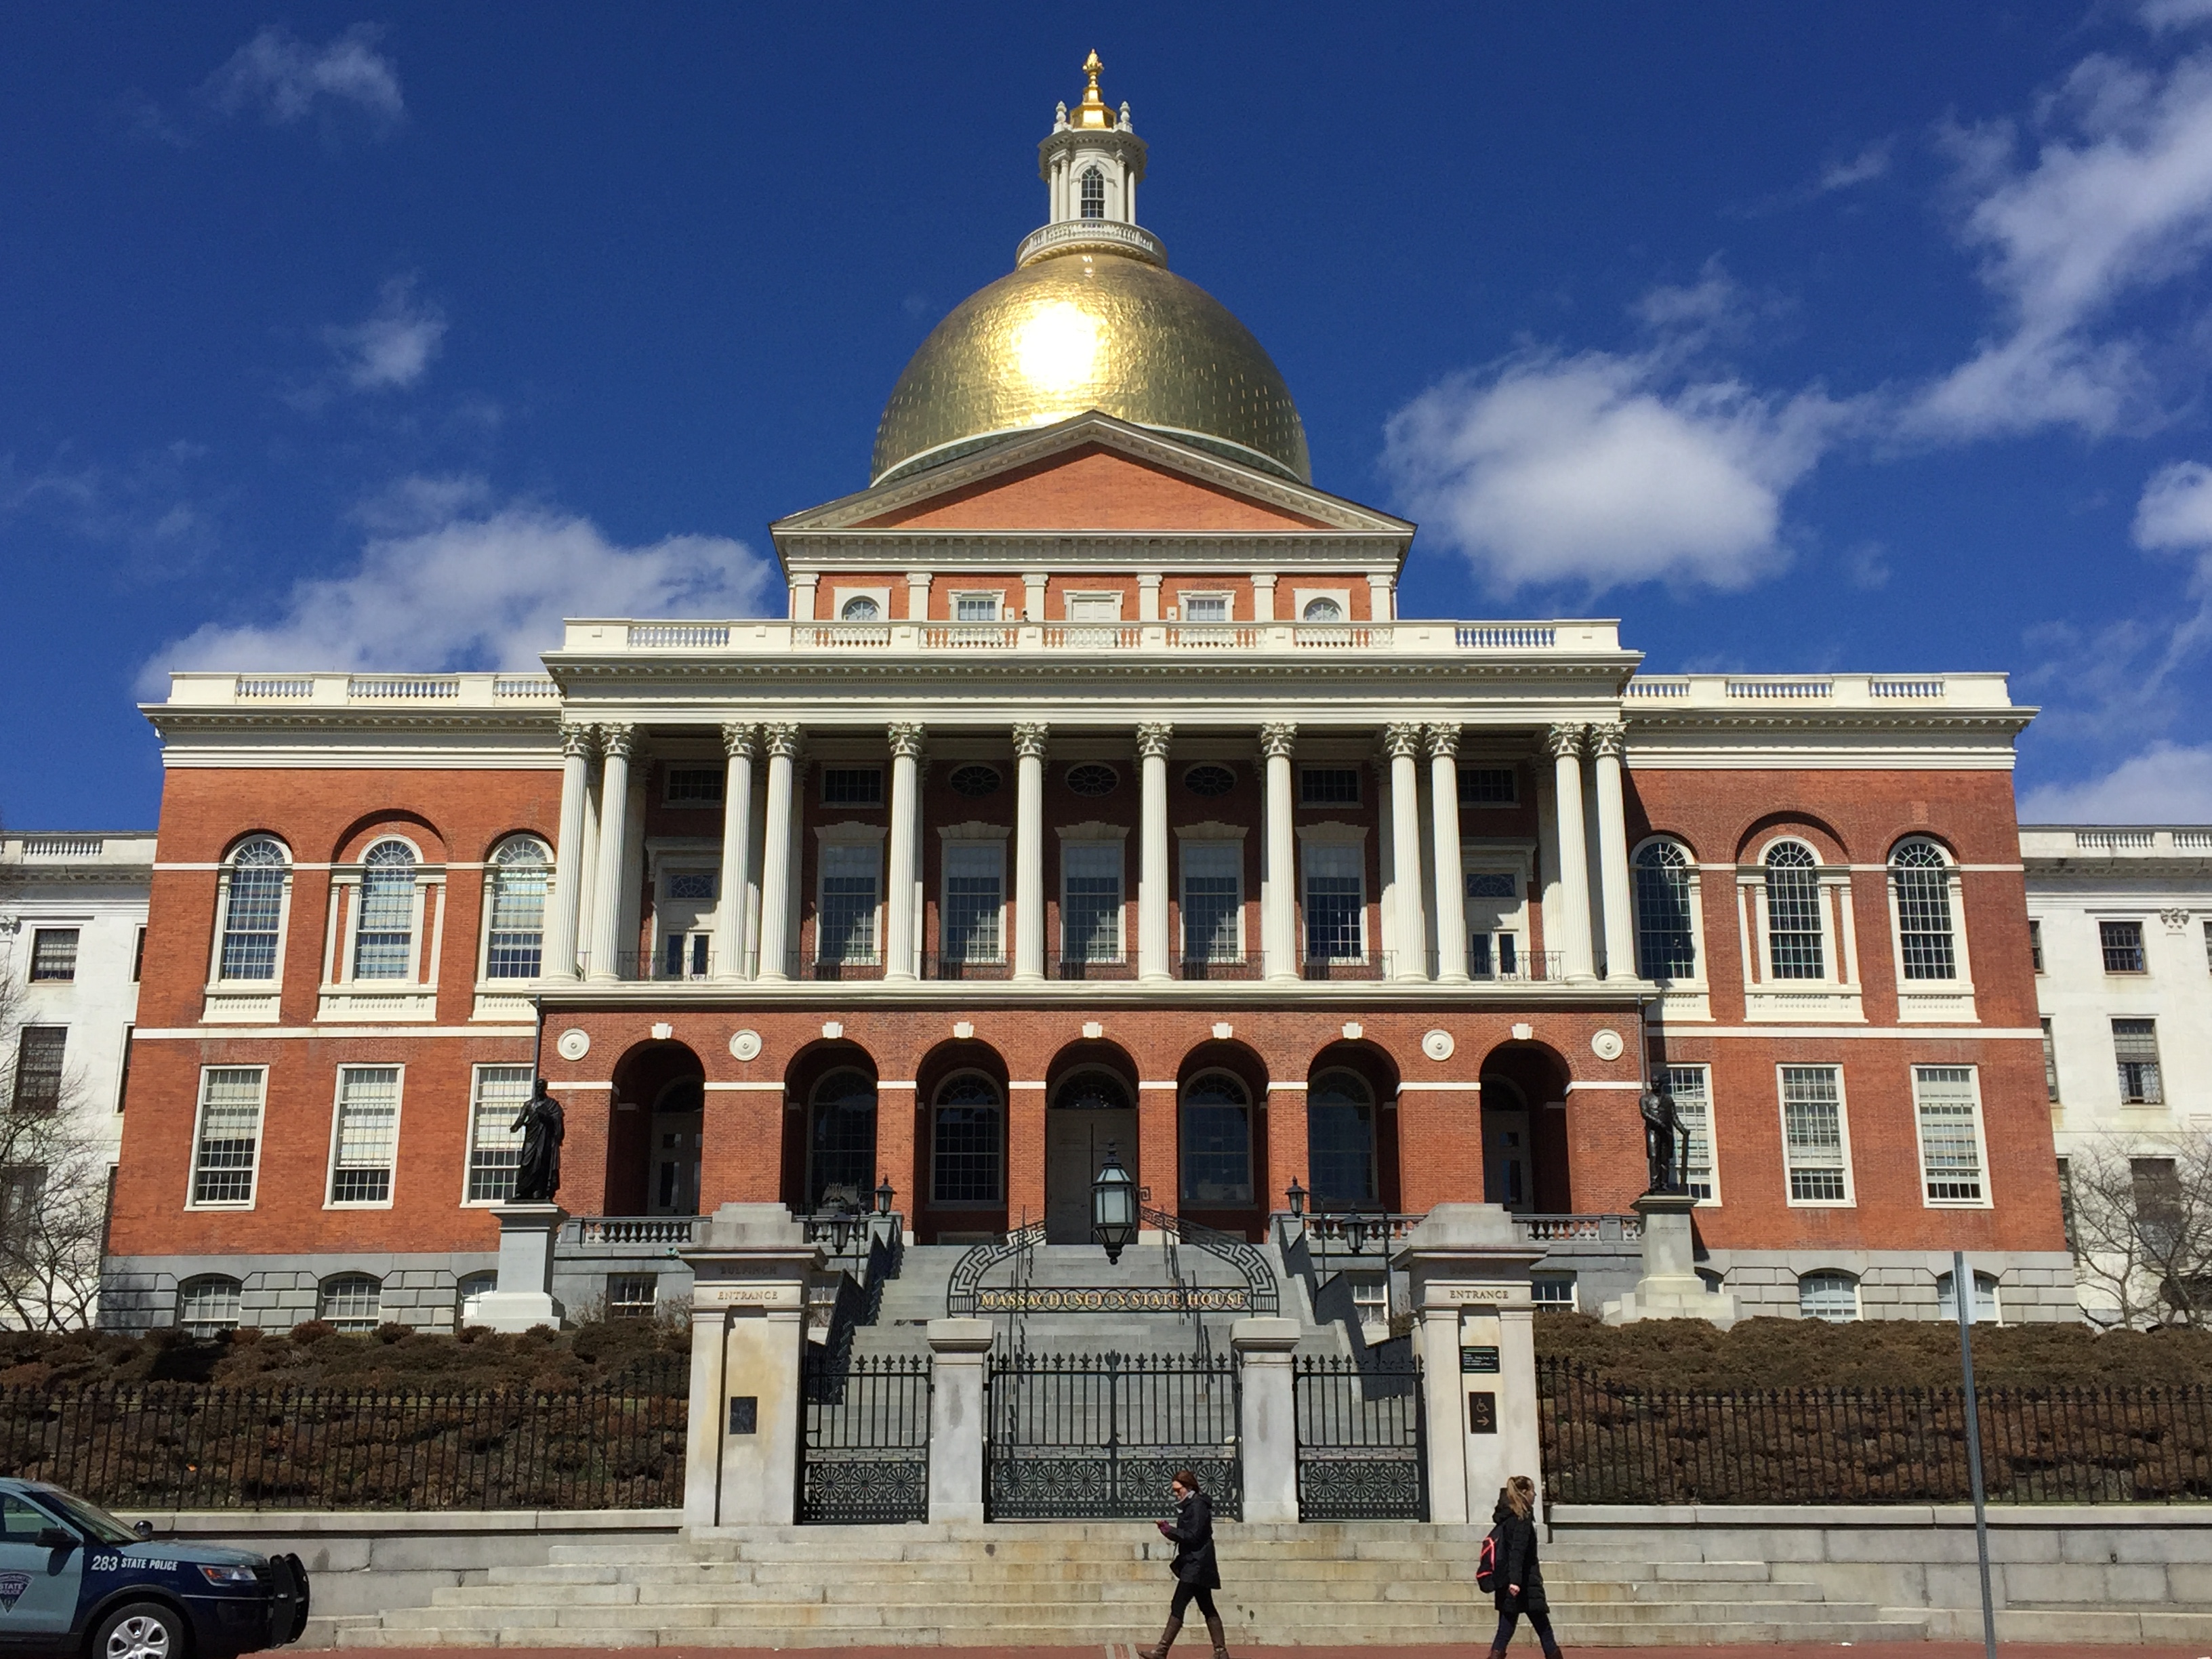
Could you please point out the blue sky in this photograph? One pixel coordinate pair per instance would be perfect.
(1801, 337)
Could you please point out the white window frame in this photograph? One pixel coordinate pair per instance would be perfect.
(1069, 842)
(216, 982)
(841, 596)
(971, 1205)
(260, 1142)
(358, 873)
(1334, 834)
(1858, 1298)
(1838, 996)
(1712, 1144)
(491, 873)
(469, 1139)
(843, 835)
(206, 1327)
(996, 597)
(1070, 596)
(1301, 596)
(1573, 1303)
(1850, 1199)
(1698, 981)
(1208, 836)
(1930, 999)
(1492, 858)
(1974, 1310)
(1981, 1140)
(948, 844)
(338, 1110)
(323, 1295)
(1228, 605)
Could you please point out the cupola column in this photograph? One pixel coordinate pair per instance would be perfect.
(1572, 938)
(1152, 853)
(1029, 852)
(619, 742)
(1451, 883)
(576, 743)
(1605, 743)
(899, 942)
(1410, 927)
(782, 743)
(1279, 905)
(739, 739)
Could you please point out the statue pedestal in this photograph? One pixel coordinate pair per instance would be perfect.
(525, 1296)
(1670, 1287)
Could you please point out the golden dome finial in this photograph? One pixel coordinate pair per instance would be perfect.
(1092, 112)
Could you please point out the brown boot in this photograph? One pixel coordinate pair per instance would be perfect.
(1167, 1641)
(1220, 1640)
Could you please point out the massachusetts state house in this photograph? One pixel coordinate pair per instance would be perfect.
(1093, 792)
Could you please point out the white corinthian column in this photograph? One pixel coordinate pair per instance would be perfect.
(1152, 853)
(782, 743)
(1279, 912)
(1029, 851)
(619, 742)
(1402, 743)
(1607, 743)
(1451, 890)
(906, 828)
(577, 745)
(1573, 942)
(739, 739)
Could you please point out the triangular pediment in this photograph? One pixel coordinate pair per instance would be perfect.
(1094, 473)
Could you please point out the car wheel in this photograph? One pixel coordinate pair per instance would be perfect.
(140, 1630)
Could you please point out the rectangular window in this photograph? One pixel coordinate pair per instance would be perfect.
(1329, 786)
(2050, 1064)
(1090, 902)
(1213, 901)
(138, 956)
(1094, 607)
(1206, 607)
(1335, 913)
(2157, 1183)
(964, 1154)
(384, 941)
(845, 920)
(365, 1138)
(2035, 943)
(632, 1296)
(1692, 1087)
(38, 1053)
(975, 607)
(1370, 1298)
(1553, 1292)
(227, 1145)
(2135, 1047)
(693, 785)
(123, 1082)
(53, 955)
(974, 902)
(1813, 1134)
(494, 1146)
(852, 785)
(1948, 1104)
(2124, 946)
(1488, 785)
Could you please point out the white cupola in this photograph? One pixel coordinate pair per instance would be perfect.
(1090, 166)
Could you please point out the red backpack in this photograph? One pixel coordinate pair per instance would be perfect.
(1485, 1564)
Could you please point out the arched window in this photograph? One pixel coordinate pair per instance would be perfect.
(254, 909)
(1666, 940)
(1340, 1140)
(1923, 877)
(1796, 949)
(207, 1306)
(521, 870)
(1985, 1300)
(1323, 611)
(965, 1141)
(1217, 1141)
(861, 609)
(1092, 1091)
(384, 934)
(1828, 1294)
(1094, 193)
(841, 1142)
(353, 1303)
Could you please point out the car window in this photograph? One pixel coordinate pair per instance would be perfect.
(93, 1521)
(19, 1522)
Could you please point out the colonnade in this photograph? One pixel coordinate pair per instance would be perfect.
(1592, 930)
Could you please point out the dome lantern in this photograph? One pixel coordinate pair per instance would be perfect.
(1091, 163)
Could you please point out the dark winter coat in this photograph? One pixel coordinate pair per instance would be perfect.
(1518, 1564)
(1192, 1533)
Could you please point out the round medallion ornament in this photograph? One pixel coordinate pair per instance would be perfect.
(745, 1045)
(1209, 781)
(975, 781)
(1092, 779)
(1606, 1044)
(1438, 1045)
(574, 1043)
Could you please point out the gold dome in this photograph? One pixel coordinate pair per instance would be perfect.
(1084, 331)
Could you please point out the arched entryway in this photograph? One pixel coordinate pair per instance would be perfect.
(655, 1131)
(962, 1154)
(1524, 1129)
(1091, 1103)
(1221, 1137)
(830, 1129)
(1351, 1140)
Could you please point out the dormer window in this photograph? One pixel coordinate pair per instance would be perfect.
(1323, 611)
(1094, 193)
(861, 609)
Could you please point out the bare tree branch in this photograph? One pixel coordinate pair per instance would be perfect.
(2142, 1232)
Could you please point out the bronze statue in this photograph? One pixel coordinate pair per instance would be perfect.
(1662, 1135)
(538, 1176)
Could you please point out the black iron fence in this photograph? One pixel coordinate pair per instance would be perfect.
(1098, 1436)
(1362, 1448)
(864, 1444)
(1606, 1444)
(174, 1446)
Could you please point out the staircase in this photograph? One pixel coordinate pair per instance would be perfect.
(1380, 1584)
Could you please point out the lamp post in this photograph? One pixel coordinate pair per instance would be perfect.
(1297, 1197)
(884, 1194)
(1113, 1207)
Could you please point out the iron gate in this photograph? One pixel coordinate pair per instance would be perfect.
(864, 1439)
(1362, 1439)
(1098, 1436)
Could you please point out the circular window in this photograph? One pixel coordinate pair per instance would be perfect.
(862, 608)
(1324, 611)
(975, 781)
(1209, 781)
(1092, 779)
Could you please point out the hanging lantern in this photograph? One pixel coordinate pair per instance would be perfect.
(1113, 1207)
(884, 1194)
(1297, 1197)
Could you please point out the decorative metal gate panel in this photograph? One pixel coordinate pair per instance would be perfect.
(864, 1438)
(1080, 1437)
(1363, 1451)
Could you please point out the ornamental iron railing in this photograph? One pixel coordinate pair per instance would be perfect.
(1362, 1445)
(1086, 1436)
(864, 1444)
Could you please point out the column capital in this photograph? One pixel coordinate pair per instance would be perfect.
(1279, 738)
(906, 740)
(782, 741)
(1401, 737)
(1563, 741)
(618, 740)
(740, 738)
(1151, 579)
(578, 739)
(1030, 739)
(1443, 741)
(1153, 739)
(1607, 738)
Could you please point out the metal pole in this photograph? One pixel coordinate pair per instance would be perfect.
(1962, 1299)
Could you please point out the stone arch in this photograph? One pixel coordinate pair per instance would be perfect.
(357, 837)
(820, 1120)
(1825, 841)
(1325, 1139)
(1524, 1128)
(660, 1090)
(1091, 1103)
(955, 1142)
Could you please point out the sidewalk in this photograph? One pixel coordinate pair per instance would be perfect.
(1524, 1644)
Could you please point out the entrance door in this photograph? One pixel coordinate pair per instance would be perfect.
(1505, 1158)
(1076, 1140)
(673, 1186)
(683, 921)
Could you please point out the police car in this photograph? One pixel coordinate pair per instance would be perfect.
(75, 1580)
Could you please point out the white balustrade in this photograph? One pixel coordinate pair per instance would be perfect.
(403, 688)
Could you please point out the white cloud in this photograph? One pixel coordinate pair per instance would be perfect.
(482, 588)
(1605, 470)
(391, 347)
(2166, 783)
(2158, 15)
(287, 80)
(2176, 509)
(1870, 164)
(2118, 198)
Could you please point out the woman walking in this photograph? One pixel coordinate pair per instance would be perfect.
(1520, 1578)
(1196, 1573)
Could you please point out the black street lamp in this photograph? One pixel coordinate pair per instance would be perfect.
(1297, 1197)
(1113, 1207)
(884, 1194)
(1355, 1232)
